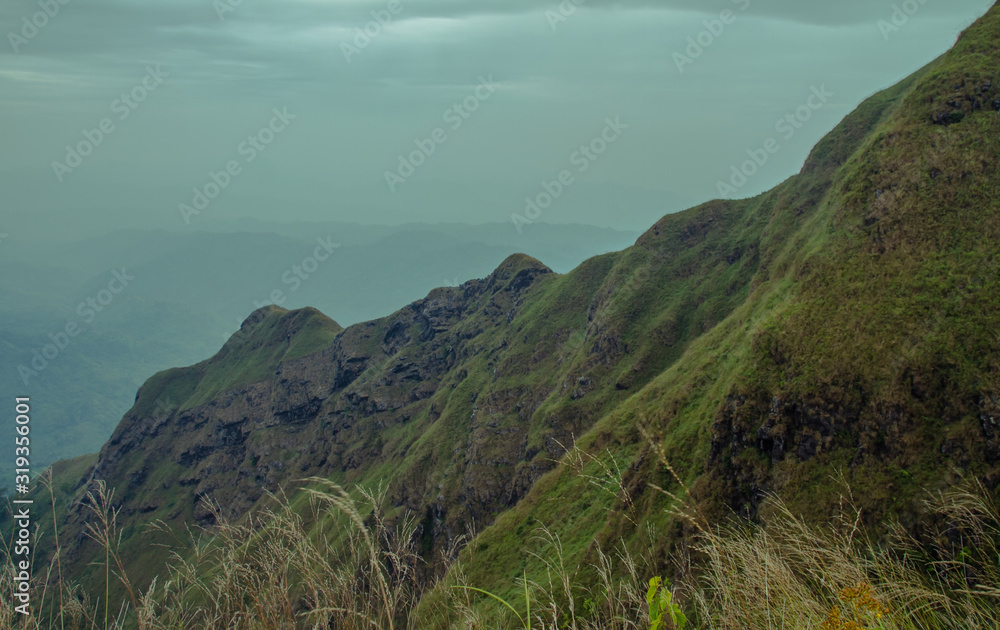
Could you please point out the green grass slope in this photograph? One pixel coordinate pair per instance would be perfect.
(841, 326)
(864, 354)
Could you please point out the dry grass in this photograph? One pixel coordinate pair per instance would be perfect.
(270, 572)
(278, 571)
(275, 572)
(788, 574)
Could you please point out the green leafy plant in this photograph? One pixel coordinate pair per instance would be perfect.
(661, 606)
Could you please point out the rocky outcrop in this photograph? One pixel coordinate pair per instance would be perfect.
(333, 411)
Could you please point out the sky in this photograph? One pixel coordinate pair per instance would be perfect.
(192, 113)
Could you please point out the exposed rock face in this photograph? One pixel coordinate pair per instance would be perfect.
(324, 412)
(758, 439)
(343, 410)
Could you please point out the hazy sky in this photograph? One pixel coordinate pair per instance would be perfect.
(557, 78)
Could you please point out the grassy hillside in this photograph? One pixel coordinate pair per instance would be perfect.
(833, 340)
(863, 358)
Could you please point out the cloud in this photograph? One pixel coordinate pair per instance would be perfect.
(107, 25)
(817, 12)
(610, 58)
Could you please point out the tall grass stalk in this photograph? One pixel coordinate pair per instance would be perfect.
(340, 564)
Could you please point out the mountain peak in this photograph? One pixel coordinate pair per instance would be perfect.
(517, 267)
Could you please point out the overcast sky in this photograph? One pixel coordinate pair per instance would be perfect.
(560, 77)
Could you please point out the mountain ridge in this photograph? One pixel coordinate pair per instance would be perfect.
(841, 325)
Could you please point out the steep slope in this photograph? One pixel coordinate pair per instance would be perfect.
(843, 325)
(864, 358)
(458, 402)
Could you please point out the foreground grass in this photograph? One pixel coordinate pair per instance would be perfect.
(275, 571)
(788, 574)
